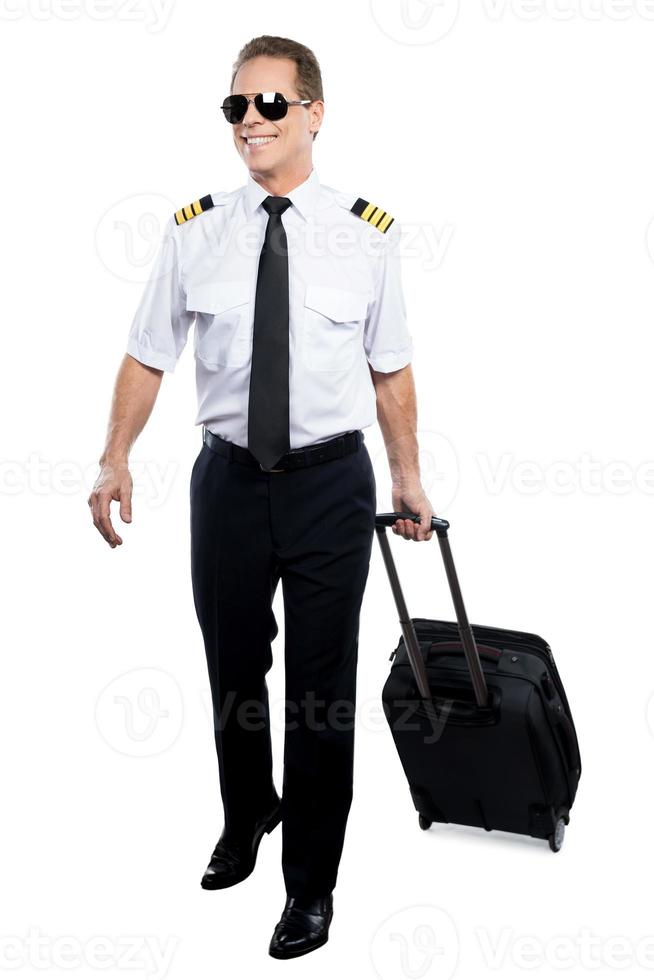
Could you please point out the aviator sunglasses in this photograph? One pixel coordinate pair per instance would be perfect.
(271, 105)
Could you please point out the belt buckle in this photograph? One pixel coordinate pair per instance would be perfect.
(266, 470)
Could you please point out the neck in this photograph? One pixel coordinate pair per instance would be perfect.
(281, 184)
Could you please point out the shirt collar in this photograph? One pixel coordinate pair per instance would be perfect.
(304, 197)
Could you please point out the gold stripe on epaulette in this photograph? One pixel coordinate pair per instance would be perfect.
(374, 215)
(192, 210)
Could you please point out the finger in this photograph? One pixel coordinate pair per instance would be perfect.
(425, 532)
(95, 510)
(104, 524)
(96, 523)
(94, 502)
(117, 538)
(125, 497)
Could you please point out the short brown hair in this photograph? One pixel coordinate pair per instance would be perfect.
(308, 80)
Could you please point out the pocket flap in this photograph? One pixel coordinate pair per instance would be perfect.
(215, 297)
(336, 304)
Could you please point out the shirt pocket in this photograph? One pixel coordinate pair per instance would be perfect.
(333, 325)
(222, 327)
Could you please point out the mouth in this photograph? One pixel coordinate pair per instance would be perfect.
(258, 140)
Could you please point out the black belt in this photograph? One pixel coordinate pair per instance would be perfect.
(319, 452)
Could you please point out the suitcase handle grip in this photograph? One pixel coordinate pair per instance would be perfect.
(414, 653)
(454, 646)
(438, 524)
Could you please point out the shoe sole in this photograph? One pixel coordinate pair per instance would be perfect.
(212, 886)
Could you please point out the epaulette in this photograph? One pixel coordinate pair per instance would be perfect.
(191, 210)
(372, 214)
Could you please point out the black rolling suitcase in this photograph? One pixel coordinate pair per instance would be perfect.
(479, 717)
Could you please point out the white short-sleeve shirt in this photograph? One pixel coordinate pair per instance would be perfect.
(346, 308)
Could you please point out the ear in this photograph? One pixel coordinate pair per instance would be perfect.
(316, 113)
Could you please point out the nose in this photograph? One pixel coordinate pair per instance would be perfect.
(252, 115)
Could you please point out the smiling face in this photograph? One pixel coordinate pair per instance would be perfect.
(275, 152)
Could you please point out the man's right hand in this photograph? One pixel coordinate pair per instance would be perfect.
(114, 482)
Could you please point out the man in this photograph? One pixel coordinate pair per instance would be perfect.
(300, 342)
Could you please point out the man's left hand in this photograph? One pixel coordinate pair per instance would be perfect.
(413, 500)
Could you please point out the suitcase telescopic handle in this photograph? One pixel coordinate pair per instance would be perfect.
(441, 526)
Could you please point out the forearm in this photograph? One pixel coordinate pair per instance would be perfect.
(135, 393)
(398, 419)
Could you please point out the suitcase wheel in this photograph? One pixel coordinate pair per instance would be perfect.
(556, 839)
(424, 822)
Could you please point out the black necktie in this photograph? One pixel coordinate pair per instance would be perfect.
(268, 414)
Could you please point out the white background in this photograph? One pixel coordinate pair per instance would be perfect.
(514, 142)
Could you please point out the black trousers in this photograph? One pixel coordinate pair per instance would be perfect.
(313, 529)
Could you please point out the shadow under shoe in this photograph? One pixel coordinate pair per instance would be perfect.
(303, 927)
(233, 860)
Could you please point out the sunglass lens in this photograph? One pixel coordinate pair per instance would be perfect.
(271, 105)
(234, 108)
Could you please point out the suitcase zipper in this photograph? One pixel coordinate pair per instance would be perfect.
(499, 636)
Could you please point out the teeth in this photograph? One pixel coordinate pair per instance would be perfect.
(260, 139)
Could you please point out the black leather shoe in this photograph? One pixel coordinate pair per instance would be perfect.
(303, 927)
(234, 860)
